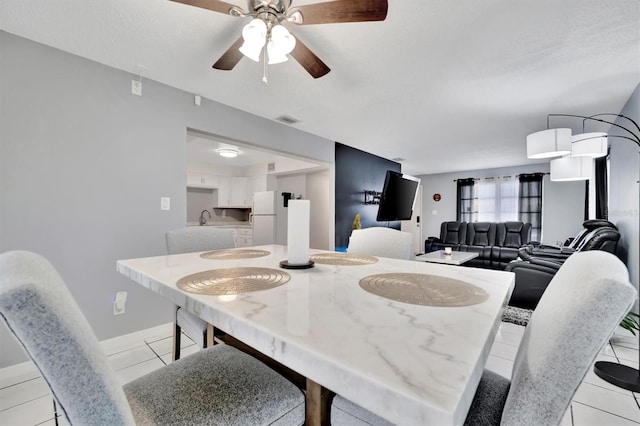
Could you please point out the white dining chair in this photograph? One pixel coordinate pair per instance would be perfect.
(383, 242)
(578, 313)
(41, 313)
(188, 240)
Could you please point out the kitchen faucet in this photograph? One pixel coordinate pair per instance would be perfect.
(203, 221)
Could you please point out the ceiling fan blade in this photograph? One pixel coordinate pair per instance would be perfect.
(338, 11)
(309, 60)
(215, 5)
(230, 58)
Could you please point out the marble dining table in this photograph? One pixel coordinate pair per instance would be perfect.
(412, 364)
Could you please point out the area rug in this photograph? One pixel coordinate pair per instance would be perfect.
(517, 316)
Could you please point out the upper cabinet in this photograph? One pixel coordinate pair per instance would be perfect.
(256, 184)
(239, 192)
(236, 191)
(224, 191)
(202, 180)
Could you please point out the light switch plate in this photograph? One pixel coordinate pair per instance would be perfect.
(165, 203)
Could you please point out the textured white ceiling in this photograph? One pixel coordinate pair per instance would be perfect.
(448, 85)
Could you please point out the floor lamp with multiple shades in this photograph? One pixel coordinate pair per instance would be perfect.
(576, 154)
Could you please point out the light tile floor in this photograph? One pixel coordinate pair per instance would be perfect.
(25, 398)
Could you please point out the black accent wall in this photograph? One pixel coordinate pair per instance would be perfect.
(357, 171)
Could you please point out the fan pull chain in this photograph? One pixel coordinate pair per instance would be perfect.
(264, 70)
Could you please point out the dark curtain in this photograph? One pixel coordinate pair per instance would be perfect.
(602, 198)
(466, 200)
(586, 200)
(530, 202)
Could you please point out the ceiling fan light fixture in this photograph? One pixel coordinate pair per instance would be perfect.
(228, 152)
(275, 56)
(281, 43)
(255, 37)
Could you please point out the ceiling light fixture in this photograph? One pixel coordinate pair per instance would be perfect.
(265, 30)
(228, 152)
(575, 149)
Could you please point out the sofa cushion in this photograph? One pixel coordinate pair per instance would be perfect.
(481, 234)
(453, 232)
(513, 234)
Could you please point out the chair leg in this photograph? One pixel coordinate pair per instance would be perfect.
(177, 332)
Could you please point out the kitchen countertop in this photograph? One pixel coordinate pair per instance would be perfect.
(223, 224)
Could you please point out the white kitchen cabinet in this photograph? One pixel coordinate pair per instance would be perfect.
(257, 184)
(244, 237)
(202, 180)
(224, 191)
(238, 197)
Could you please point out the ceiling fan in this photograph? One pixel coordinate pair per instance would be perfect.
(266, 28)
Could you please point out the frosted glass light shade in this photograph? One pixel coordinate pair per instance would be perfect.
(228, 152)
(280, 44)
(592, 145)
(255, 37)
(275, 55)
(549, 143)
(571, 168)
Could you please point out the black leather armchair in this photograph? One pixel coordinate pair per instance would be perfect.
(452, 234)
(534, 275)
(528, 251)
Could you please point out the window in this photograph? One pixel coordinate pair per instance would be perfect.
(498, 199)
(502, 199)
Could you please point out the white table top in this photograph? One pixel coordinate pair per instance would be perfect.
(410, 364)
(455, 258)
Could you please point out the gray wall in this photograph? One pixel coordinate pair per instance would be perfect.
(83, 164)
(623, 187)
(562, 202)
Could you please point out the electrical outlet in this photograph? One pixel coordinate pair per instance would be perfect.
(136, 87)
(118, 303)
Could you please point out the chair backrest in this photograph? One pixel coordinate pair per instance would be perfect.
(588, 226)
(383, 242)
(198, 238)
(481, 234)
(513, 234)
(577, 314)
(40, 311)
(604, 238)
(453, 232)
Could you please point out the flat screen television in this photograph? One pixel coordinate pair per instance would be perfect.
(398, 197)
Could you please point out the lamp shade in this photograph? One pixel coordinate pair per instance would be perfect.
(549, 143)
(571, 168)
(280, 44)
(255, 36)
(592, 145)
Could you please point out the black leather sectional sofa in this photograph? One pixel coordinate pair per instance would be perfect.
(496, 243)
(536, 266)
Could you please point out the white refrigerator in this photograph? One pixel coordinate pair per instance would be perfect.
(263, 217)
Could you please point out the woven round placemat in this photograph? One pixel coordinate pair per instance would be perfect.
(343, 259)
(219, 282)
(235, 254)
(423, 289)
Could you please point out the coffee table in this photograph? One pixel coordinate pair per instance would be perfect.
(455, 258)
